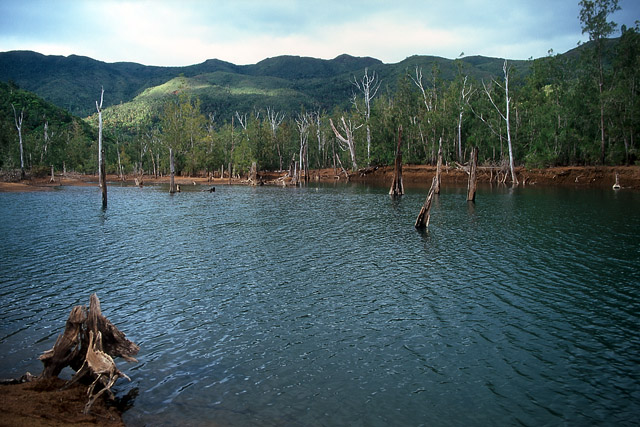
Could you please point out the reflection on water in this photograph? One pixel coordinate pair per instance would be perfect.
(324, 306)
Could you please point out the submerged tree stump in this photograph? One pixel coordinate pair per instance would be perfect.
(397, 188)
(423, 217)
(88, 345)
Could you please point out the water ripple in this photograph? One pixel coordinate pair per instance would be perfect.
(323, 306)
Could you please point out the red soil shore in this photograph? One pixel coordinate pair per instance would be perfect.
(413, 175)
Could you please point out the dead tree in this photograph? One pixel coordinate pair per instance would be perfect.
(46, 140)
(424, 216)
(368, 86)
(275, 120)
(101, 169)
(172, 169)
(101, 365)
(397, 188)
(303, 122)
(438, 167)
(347, 140)
(505, 115)
(18, 122)
(465, 94)
(473, 179)
(92, 360)
(253, 174)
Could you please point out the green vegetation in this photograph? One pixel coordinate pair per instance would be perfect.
(67, 142)
(580, 107)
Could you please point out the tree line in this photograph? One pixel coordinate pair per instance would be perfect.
(572, 109)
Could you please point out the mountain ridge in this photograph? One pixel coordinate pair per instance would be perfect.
(73, 82)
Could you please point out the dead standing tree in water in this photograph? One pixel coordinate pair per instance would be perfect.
(473, 177)
(424, 216)
(88, 345)
(397, 188)
(101, 169)
(438, 167)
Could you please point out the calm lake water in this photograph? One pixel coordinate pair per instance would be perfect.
(323, 306)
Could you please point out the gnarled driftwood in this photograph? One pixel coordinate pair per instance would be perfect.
(88, 345)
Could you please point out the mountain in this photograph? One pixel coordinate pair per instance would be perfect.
(285, 82)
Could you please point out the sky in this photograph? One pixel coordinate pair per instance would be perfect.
(187, 32)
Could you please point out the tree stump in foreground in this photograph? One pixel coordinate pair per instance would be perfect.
(423, 217)
(88, 345)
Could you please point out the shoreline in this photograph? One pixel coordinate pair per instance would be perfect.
(413, 176)
(42, 403)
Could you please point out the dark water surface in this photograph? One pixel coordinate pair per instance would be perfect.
(324, 306)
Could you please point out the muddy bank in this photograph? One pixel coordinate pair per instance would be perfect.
(413, 176)
(579, 176)
(42, 403)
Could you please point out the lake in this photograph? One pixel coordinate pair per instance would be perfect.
(324, 306)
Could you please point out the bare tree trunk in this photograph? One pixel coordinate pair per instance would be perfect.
(18, 122)
(472, 183)
(424, 216)
(348, 140)
(101, 168)
(53, 179)
(514, 180)
(369, 88)
(438, 167)
(505, 117)
(397, 188)
(253, 174)
(275, 119)
(172, 169)
(460, 136)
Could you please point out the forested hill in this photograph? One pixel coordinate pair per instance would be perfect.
(288, 82)
(579, 107)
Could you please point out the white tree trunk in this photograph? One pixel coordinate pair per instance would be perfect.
(348, 141)
(508, 102)
(505, 117)
(275, 119)
(172, 168)
(101, 168)
(18, 122)
(369, 86)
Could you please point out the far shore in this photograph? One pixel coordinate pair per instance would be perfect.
(413, 176)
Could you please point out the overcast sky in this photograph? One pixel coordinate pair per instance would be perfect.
(186, 32)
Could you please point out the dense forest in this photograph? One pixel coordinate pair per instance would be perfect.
(575, 108)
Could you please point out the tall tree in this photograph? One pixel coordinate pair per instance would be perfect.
(504, 115)
(275, 119)
(303, 121)
(368, 86)
(347, 140)
(18, 122)
(593, 16)
(627, 65)
(101, 169)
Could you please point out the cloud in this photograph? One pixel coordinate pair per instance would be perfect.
(165, 32)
